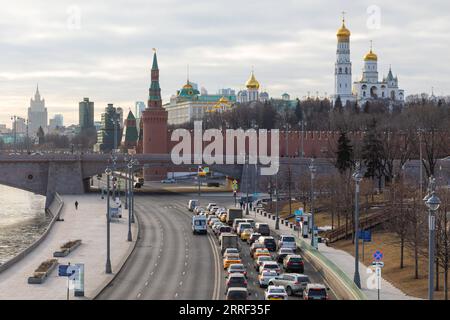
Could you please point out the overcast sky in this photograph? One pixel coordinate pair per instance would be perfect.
(103, 49)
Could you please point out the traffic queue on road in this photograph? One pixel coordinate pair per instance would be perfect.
(279, 268)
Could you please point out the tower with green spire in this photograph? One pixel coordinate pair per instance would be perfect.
(154, 119)
(131, 132)
(154, 92)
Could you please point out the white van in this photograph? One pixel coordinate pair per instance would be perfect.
(199, 225)
(192, 204)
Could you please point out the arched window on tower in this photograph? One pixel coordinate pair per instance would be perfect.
(340, 70)
(346, 70)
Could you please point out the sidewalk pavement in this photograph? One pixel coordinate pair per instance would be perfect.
(346, 262)
(88, 223)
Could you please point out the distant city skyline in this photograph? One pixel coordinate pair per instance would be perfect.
(81, 51)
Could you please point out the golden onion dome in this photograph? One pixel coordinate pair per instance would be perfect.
(343, 33)
(252, 83)
(187, 86)
(371, 56)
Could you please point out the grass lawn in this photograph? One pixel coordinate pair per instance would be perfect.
(389, 244)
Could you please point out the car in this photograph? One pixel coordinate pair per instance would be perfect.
(253, 237)
(212, 210)
(220, 210)
(269, 265)
(168, 181)
(275, 293)
(255, 246)
(265, 276)
(261, 252)
(252, 222)
(237, 294)
(223, 217)
(230, 251)
(211, 204)
(246, 234)
(236, 223)
(230, 259)
(269, 243)
(211, 220)
(192, 204)
(262, 228)
(198, 210)
(286, 241)
(293, 263)
(282, 253)
(315, 291)
(259, 261)
(294, 283)
(236, 280)
(237, 268)
(221, 229)
(242, 226)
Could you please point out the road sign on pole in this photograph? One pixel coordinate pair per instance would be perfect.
(378, 255)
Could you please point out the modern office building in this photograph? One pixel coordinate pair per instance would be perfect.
(110, 132)
(86, 114)
(37, 114)
(56, 123)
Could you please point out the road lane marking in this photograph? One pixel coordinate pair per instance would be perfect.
(139, 295)
(146, 283)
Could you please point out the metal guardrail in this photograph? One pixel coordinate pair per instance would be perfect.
(343, 286)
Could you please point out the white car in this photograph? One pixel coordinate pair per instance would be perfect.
(269, 265)
(168, 181)
(286, 241)
(211, 204)
(265, 277)
(275, 293)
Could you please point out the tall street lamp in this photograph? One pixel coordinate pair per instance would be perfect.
(246, 170)
(433, 202)
(277, 221)
(357, 176)
(313, 170)
(108, 221)
(128, 182)
(134, 162)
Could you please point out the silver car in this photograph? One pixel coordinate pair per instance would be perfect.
(265, 277)
(294, 283)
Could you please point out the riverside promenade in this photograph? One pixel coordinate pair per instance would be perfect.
(88, 223)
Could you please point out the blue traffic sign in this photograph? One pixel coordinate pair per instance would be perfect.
(298, 218)
(298, 212)
(378, 255)
(365, 235)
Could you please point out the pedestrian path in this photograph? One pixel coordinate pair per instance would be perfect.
(88, 223)
(346, 262)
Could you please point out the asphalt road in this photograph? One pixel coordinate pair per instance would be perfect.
(169, 262)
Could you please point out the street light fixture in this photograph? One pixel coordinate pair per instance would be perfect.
(128, 181)
(433, 202)
(277, 221)
(313, 170)
(108, 221)
(357, 176)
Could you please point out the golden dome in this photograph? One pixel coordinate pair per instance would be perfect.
(187, 86)
(371, 56)
(223, 100)
(252, 83)
(343, 33)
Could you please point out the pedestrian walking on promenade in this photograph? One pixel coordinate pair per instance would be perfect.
(76, 205)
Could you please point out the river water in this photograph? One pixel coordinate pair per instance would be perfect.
(22, 220)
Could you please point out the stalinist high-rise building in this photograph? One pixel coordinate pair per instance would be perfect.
(343, 67)
(37, 114)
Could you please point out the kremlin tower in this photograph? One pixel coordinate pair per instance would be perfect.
(154, 118)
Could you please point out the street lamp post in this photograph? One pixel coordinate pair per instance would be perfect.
(127, 177)
(312, 169)
(277, 221)
(433, 202)
(28, 139)
(134, 162)
(108, 221)
(246, 170)
(130, 209)
(357, 177)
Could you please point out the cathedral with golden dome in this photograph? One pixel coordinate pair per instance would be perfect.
(252, 92)
(369, 87)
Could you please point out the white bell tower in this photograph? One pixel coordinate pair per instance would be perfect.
(343, 67)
